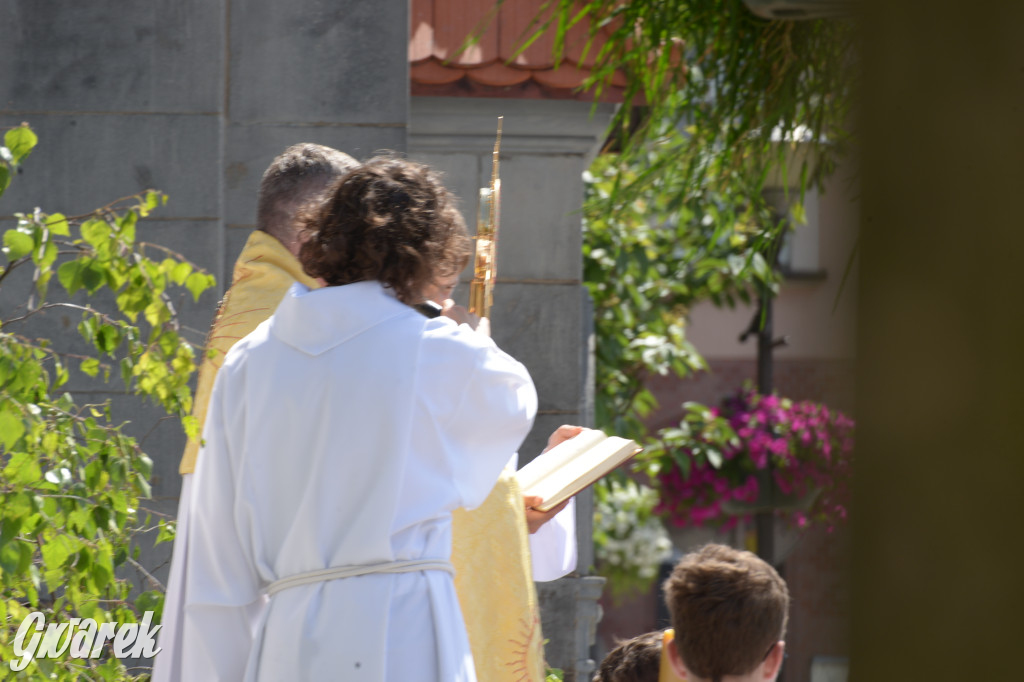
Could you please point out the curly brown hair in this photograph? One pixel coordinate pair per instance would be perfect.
(389, 220)
(633, 660)
(728, 608)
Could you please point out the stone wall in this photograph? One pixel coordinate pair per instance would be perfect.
(192, 97)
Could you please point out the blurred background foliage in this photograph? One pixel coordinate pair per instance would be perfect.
(719, 105)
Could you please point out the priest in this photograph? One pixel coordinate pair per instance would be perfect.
(340, 436)
(491, 543)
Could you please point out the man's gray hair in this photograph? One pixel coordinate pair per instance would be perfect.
(295, 178)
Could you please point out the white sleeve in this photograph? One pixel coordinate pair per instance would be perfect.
(485, 415)
(553, 546)
(222, 600)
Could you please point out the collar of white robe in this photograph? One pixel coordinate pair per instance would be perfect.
(338, 572)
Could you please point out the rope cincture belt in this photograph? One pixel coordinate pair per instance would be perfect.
(323, 575)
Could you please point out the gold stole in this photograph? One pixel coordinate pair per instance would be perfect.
(490, 550)
(494, 580)
(263, 273)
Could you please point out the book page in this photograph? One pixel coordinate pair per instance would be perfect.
(555, 458)
(570, 474)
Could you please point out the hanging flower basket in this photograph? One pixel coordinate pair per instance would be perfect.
(770, 499)
(755, 453)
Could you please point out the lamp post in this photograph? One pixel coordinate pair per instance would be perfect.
(761, 325)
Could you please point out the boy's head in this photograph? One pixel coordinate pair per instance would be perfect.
(633, 660)
(729, 610)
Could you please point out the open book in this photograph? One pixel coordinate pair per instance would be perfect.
(569, 467)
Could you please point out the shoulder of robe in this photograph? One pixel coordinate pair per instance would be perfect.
(239, 353)
(443, 335)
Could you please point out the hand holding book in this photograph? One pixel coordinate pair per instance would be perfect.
(572, 465)
(534, 517)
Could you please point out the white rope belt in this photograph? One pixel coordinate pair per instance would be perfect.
(339, 572)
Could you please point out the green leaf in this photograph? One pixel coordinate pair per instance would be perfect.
(10, 556)
(799, 213)
(197, 283)
(150, 601)
(126, 226)
(20, 141)
(92, 276)
(23, 469)
(149, 202)
(96, 232)
(191, 426)
(107, 338)
(12, 426)
(5, 177)
(56, 551)
(101, 576)
(56, 223)
(167, 533)
(70, 276)
(17, 244)
(90, 366)
(180, 272)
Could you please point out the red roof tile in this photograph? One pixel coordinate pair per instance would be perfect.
(487, 68)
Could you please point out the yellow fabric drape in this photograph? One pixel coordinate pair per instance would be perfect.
(494, 581)
(490, 549)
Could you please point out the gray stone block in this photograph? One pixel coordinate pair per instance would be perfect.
(539, 325)
(162, 55)
(340, 61)
(543, 426)
(569, 617)
(531, 126)
(541, 233)
(234, 242)
(585, 532)
(251, 148)
(83, 162)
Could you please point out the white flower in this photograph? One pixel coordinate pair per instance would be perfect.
(635, 541)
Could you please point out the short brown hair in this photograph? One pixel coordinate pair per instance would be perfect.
(389, 220)
(728, 608)
(633, 660)
(295, 178)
